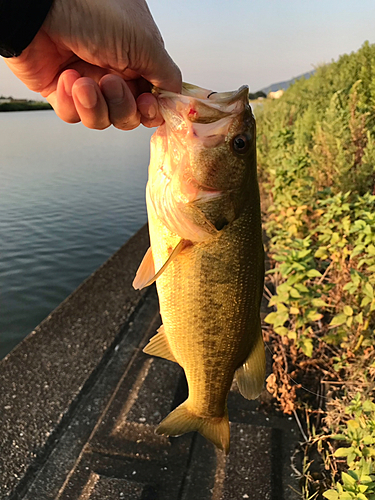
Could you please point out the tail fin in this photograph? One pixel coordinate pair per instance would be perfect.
(182, 420)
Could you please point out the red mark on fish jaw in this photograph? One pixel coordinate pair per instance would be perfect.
(192, 114)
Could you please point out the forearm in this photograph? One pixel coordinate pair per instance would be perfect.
(20, 21)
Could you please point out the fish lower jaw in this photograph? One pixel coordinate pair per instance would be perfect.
(194, 190)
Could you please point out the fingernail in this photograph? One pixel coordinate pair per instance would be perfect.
(113, 90)
(86, 94)
(151, 112)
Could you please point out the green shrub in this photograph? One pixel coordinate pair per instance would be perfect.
(316, 157)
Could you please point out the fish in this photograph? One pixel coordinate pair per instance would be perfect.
(206, 253)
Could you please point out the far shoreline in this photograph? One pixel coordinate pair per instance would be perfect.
(7, 107)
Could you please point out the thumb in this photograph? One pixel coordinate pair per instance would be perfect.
(163, 72)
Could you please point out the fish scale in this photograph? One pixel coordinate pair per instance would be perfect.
(211, 283)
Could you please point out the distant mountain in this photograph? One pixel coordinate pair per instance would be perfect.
(286, 84)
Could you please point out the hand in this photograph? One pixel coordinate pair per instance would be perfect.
(95, 62)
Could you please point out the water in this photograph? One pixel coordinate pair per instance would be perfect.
(69, 198)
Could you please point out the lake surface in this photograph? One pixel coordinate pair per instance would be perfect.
(69, 198)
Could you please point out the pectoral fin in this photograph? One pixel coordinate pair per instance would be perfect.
(146, 272)
(159, 346)
(250, 376)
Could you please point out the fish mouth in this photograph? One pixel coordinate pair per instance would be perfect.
(195, 92)
(199, 105)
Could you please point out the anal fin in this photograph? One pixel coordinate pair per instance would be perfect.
(159, 346)
(146, 272)
(250, 376)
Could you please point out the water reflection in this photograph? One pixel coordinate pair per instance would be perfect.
(69, 198)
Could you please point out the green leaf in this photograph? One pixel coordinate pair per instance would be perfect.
(343, 452)
(271, 318)
(314, 316)
(301, 287)
(351, 457)
(294, 293)
(319, 303)
(313, 273)
(303, 253)
(368, 439)
(283, 288)
(363, 487)
(348, 311)
(352, 424)
(361, 496)
(353, 474)
(281, 307)
(359, 318)
(337, 320)
(366, 479)
(321, 253)
(281, 330)
(347, 496)
(274, 300)
(369, 291)
(347, 479)
(365, 301)
(361, 262)
(368, 406)
(357, 250)
(282, 317)
(307, 347)
(331, 495)
(350, 286)
(339, 437)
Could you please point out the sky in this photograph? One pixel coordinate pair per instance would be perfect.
(223, 44)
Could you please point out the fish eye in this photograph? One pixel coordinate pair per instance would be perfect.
(241, 144)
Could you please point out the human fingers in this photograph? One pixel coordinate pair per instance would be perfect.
(149, 110)
(64, 104)
(90, 104)
(122, 107)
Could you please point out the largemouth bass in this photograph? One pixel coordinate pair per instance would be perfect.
(206, 253)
